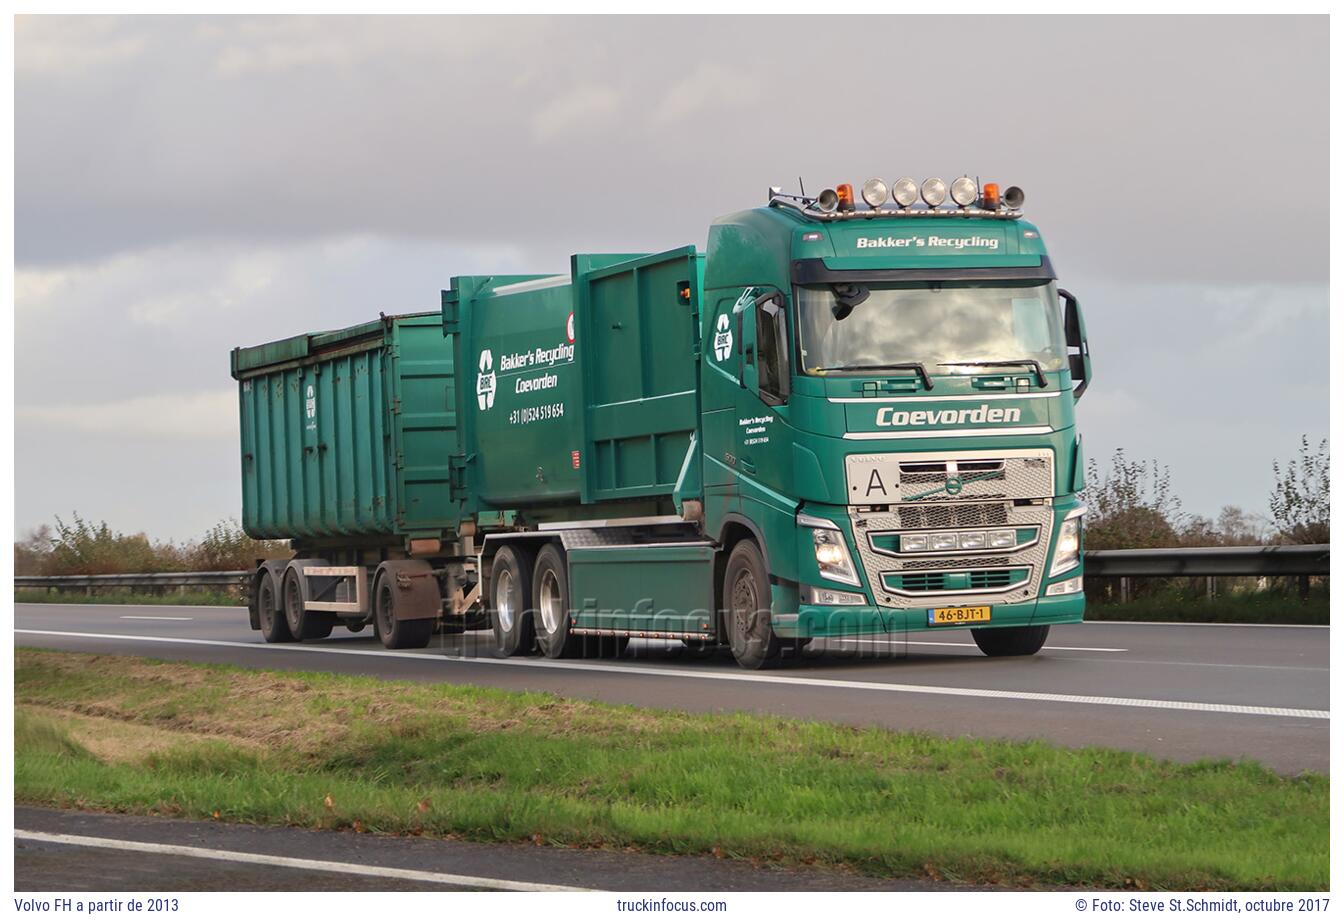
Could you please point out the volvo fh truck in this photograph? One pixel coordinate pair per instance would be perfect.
(843, 419)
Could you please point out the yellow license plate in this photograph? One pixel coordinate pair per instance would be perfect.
(957, 616)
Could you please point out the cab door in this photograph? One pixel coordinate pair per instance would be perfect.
(763, 436)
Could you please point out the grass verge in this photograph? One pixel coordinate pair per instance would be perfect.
(1262, 607)
(331, 751)
(105, 596)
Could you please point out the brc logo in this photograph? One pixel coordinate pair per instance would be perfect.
(723, 338)
(485, 381)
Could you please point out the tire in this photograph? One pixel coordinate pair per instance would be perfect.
(550, 601)
(746, 602)
(1012, 640)
(394, 633)
(511, 601)
(303, 624)
(270, 613)
(355, 625)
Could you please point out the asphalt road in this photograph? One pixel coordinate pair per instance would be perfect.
(76, 851)
(1184, 692)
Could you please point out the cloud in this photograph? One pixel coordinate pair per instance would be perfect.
(582, 109)
(72, 46)
(210, 414)
(709, 87)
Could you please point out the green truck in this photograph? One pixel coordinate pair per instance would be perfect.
(846, 418)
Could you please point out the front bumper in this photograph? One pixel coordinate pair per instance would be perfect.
(813, 621)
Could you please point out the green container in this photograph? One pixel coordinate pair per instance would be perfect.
(349, 433)
(578, 399)
(582, 387)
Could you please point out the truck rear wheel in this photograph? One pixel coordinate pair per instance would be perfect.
(269, 613)
(511, 600)
(550, 600)
(746, 600)
(303, 624)
(392, 632)
(1011, 640)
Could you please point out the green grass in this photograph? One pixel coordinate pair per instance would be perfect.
(329, 751)
(189, 598)
(1249, 607)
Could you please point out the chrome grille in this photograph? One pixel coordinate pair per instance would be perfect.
(985, 578)
(936, 517)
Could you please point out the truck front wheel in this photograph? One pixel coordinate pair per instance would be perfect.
(746, 600)
(1011, 640)
(511, 600)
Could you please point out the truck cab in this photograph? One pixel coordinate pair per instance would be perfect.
(887, 412)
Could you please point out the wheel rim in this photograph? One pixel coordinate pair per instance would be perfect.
(552, 609)
(385, 608)
(266, 605)
(504, 600)
(744, 606)
(293, 603)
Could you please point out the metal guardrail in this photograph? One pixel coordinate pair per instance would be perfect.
(150, 580)
(1213, 561)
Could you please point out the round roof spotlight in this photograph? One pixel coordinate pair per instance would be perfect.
(965, 191)
(904, 192)
(1013, 197)
(875, 193)
(933, 191)
(828, 200)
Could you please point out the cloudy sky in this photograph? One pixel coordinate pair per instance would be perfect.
(184, 185)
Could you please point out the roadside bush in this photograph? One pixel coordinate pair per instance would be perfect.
(80, 547)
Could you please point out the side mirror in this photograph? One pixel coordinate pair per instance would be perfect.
(1075, 337)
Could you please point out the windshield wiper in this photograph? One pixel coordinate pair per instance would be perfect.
(909, 366)
(1029, 362)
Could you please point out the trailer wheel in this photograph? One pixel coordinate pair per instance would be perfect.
(1012, 640)
(271, 617)
(550, 600)
(746, 598)
(392, 632)
(303, 624)
(511, 600)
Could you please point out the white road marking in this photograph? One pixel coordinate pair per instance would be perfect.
(1164, 623)
(739, 677)
(897, 641)
(154, 618)
(290, 862)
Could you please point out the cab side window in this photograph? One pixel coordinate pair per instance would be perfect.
(772, 346)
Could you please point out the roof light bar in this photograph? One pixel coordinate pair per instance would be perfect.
(968, 199)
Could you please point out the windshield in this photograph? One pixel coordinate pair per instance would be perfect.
(854, 325)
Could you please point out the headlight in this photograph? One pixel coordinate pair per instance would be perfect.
(830, 597)
(875, 193)
(1072, 585)
(1000, 539)
(933, 191)
(828, 546)
(914, 542)
(964, 191)
(943, 541)
(1069, 543)
(904, 192)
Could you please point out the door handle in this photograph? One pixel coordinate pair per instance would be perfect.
(746, 464)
